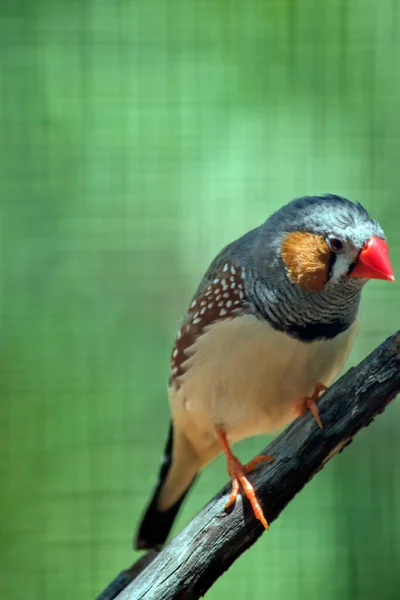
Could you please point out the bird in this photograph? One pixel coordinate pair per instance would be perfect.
(268, 329)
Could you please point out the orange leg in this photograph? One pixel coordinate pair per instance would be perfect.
(237, 471)
(311, 403)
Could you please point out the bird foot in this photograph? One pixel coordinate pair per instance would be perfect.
(238, 472)
(310, 402)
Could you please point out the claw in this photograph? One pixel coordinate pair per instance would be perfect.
(309, 402)
(234, 492)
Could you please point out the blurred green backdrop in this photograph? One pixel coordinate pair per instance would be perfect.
(137, 138)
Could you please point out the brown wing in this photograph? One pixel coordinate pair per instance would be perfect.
(221, 295)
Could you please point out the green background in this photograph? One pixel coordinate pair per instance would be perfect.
(137, 138)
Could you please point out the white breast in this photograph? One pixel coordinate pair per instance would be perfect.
(247, 377)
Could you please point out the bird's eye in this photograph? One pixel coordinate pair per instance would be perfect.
(335, 244)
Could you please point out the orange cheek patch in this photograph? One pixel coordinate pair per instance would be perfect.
(306, 257)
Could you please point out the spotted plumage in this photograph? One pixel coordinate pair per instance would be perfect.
(223, 298)
(269, 327)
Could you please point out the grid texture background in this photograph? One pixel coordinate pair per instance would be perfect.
(137, 138)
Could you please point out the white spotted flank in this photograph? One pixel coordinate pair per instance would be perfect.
(227, 294)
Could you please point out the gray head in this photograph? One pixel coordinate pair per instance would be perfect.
(308, 263)
(323, 240)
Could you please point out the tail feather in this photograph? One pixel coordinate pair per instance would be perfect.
(179, 467)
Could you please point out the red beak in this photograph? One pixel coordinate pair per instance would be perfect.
(373, 262)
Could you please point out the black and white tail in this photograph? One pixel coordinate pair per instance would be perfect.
(179, 467)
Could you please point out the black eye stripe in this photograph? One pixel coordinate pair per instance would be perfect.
(331, 264)
(351, 267)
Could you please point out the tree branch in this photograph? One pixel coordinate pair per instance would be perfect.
(188, 566)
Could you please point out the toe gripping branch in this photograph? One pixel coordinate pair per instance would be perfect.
(237, 472)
